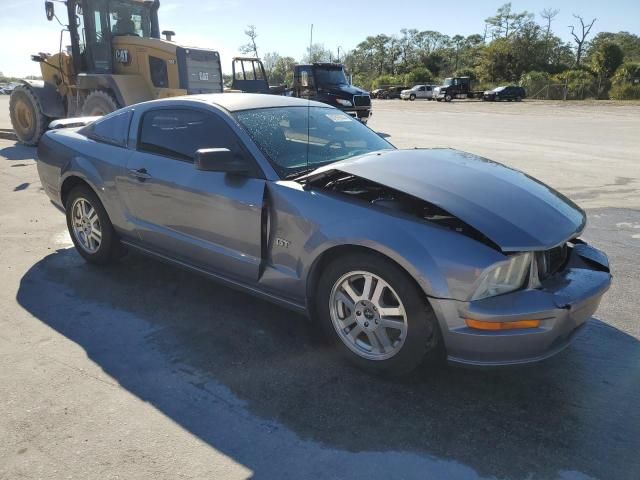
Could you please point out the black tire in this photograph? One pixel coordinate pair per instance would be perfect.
(518, 99)
(412, 97)
(109, 248)
(99, 102)
(448, 98)
(423, 338)
(27, 119)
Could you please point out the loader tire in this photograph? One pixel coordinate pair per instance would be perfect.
(98, 103)
(27, 119)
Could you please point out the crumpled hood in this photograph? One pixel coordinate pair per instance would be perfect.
(515, 211)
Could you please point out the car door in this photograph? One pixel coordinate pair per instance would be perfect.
(422, 92)
(209, 219)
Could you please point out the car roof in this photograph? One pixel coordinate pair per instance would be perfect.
(234, 102)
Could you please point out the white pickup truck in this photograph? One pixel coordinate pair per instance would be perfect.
(419, 91)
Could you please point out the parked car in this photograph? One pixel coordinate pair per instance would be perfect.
(392, 93)
(7, 89)
(378, 93)
(390, 251)
(509, 93)
(419, 91)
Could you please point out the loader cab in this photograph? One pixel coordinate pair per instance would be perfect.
(97, 22)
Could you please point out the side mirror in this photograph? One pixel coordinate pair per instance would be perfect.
(48, 8)
(220, 160)
(168, 34)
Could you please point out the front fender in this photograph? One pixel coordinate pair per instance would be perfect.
(400, 246)
(444, 263)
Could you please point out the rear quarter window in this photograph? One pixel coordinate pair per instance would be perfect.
(112, 129)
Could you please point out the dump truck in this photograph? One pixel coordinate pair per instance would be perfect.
(116, 58)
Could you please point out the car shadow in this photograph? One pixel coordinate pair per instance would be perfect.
(18, 152)
(163, 333)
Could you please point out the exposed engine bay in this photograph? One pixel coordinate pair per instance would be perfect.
(385, 197)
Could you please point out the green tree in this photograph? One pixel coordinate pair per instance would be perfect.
(506, 22)
(418, 75)
(497, 61)
(628, 42)
(627, 73)
(250, 48)
(282, 71)
(534, 82)
(317, 53)
(606, 59)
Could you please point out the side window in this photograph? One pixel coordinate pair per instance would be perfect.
(112, 129)
(306, 77)
(179, 133)
(158, 70)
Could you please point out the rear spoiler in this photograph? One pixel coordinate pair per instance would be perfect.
(71, 122)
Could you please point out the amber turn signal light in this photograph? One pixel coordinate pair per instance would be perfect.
(479, 325)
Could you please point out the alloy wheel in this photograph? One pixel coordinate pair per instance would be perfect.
(368, 315)
(86, 225)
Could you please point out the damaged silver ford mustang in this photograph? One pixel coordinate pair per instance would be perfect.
(398, 254)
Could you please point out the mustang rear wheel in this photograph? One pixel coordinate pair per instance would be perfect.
(377, 316)
(89, 226)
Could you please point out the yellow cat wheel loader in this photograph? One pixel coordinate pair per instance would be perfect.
(116, 58)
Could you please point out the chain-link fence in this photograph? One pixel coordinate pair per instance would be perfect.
(568, 91)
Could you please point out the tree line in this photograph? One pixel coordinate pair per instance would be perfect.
(513, 47)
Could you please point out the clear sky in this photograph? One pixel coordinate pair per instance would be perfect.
(283, 26)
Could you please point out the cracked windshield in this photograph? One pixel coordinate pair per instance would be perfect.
(297, 139)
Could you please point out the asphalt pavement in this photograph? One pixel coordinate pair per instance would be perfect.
(141, 370)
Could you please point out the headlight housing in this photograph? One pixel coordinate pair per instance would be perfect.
(504, 277)
(343, 102)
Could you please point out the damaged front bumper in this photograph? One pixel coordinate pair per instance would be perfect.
(562, 304)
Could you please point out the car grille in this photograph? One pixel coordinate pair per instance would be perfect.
(550, 261)
(200, 70)
(362, 100)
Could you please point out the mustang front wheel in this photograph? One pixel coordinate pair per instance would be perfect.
(376, 314)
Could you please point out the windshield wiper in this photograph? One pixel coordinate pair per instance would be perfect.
(299, 173)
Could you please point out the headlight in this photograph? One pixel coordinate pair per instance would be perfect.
(343, 102)
(504, 277)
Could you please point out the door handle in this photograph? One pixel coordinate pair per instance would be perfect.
(141, 174)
